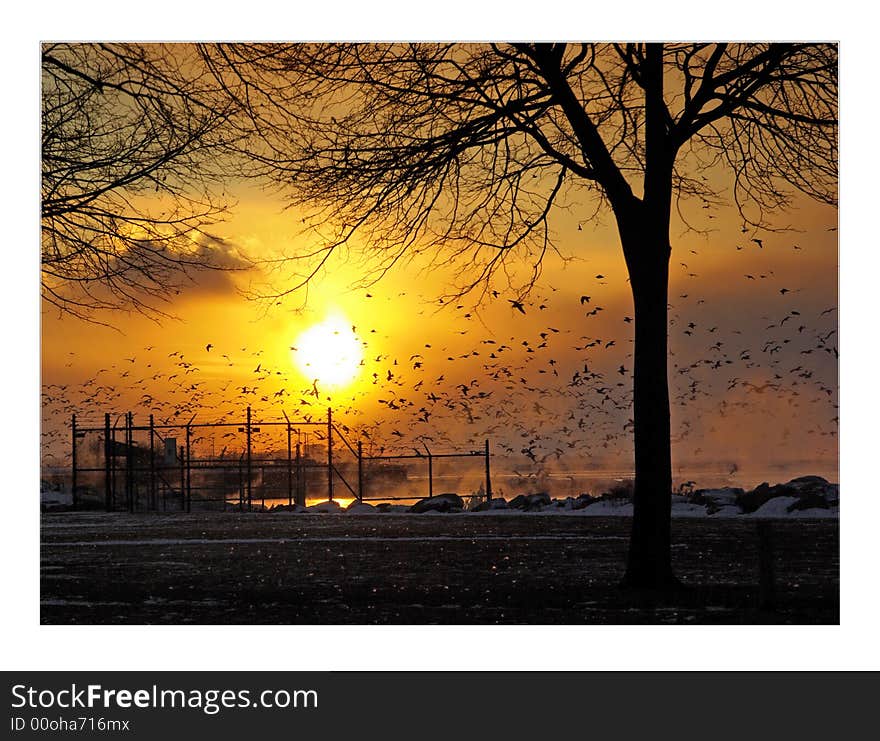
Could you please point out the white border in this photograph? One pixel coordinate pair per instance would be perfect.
(26, 645)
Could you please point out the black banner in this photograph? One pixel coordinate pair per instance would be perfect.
(413, 705)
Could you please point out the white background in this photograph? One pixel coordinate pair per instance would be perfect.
(24, 644)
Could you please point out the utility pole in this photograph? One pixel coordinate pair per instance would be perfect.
(330, 454)
(488, 476)
(248, 482)
(108, 452)
(73, 496)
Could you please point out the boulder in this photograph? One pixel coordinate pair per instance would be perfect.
(624, 489)
(815, 486)
(754, 500)
(288, 508)
(492, 504)
(810, 500)
(360, 508)
(448, 502)
(810, 489)
(530, 502)
(808, 483)
(723, 496)
(716, 500)
(775, 507)
(386, 507)
(325, 508)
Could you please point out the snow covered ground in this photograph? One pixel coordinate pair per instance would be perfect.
(313, 568)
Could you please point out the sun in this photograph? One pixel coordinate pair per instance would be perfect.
(329, 353)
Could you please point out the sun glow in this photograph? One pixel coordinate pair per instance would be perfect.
(329, 353)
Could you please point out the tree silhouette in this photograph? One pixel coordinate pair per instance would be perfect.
(468, 148)
(128, 165)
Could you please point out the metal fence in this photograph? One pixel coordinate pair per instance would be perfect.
(177, 467)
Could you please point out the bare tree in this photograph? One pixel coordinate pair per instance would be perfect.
(130, 159)
(469, 148)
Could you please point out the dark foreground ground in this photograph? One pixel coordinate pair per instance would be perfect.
(282, 568)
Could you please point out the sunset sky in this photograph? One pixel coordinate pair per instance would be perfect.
(753, 367)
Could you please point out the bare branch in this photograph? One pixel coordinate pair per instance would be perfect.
(131, 154)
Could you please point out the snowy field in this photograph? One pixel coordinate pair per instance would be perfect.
(488, 567)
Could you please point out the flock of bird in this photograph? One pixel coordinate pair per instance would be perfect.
(542, 390)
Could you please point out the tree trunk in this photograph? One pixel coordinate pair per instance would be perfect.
(647, 253)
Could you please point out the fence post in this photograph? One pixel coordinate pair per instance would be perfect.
(300, 489)
(73, 460)
(188, 468)
(248, 481)
(289, 470)
(113, 471)
(154, 505)
(330, 454)
(430, 472)
(126, 495)
(108, 452)
(181, 455)
(488, 477)
(360, 471)
(129, 462)
(240, 484)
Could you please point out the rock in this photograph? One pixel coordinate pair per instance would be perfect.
(815, 486)
(492, 504)
(529, 502)
(808, 488)
(288, 508)
(716, 500)
(386, 507)
(808, 482)
(725, 495)
(810, 500)
(441, 503)
(621, 490)
(753, 500)
(832, 494)
(775, 507)
(360, 508)
(325, 507)
(584, 500)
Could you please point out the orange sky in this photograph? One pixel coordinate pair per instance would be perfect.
(522, 398)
